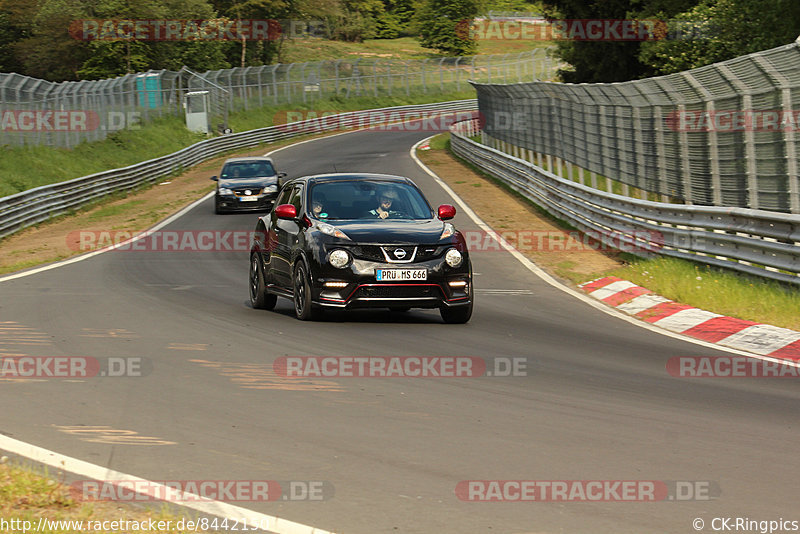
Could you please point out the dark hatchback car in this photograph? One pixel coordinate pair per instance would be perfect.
(246, 184)
(347, 241)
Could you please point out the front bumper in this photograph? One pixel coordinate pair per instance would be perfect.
(234, 203)
(445, 286)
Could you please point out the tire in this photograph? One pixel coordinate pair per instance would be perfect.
(259, 298)
(458, 315)
(301, 286)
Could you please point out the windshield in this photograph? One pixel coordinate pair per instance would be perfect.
(367, 200)
(248, 169)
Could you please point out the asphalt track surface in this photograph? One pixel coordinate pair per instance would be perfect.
(596, 404)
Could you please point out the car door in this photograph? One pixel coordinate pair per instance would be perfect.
(276, 264)
(287, 236)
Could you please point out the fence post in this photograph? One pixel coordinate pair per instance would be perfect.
(749, 135)
(789, 134)
(713, 143)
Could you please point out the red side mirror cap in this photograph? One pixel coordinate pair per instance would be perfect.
(446, 212)
(286, 211)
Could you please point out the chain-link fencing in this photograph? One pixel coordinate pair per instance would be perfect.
(721, 135)
(38, 112)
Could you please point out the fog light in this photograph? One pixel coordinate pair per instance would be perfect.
(453, 258)
(458, 283)
(336, 284)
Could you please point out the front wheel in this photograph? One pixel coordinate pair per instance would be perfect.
(303, 308)
(259, 298)
(458, 315)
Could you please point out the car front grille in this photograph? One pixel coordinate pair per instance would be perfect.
(375, 252)
(242, 192)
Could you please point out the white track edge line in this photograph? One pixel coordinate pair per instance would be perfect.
(96, 472)
(538, 271)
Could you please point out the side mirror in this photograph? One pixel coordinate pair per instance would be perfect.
(214, 178)
(446, 212)
(286, 211)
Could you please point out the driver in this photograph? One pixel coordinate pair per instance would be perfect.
(385, 201)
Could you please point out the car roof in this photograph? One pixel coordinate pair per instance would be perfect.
(352, 176)
(248, 159)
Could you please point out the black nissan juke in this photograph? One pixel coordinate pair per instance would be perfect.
(347, 241)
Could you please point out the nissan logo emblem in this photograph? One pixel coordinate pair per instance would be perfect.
(399, 253)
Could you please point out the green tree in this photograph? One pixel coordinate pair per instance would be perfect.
(444, 26)
(717, 30)
(9, 34)
(606, 61)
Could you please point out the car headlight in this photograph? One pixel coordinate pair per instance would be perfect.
(329, 229)
(453, 258)
(339, 258)
(225, 191)
(270, 189)
(448, 231)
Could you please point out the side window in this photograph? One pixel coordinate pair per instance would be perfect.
(283, 198)
(297, 192)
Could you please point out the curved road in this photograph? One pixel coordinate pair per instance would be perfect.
(597, 403)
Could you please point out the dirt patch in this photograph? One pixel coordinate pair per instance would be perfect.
(566, 253)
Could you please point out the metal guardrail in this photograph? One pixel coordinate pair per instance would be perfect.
(757, 242)
(42, 203)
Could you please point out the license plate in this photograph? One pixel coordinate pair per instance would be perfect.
(387, 275)
(248, 199)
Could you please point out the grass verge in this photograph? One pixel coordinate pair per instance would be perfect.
(302, 50)
(29, 494)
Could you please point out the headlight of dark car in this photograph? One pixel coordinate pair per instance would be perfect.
(339, 258)
(225, 191)
(331, 230)
(453, 258)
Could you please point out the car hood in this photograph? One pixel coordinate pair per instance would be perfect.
(248, 182)
(392, 232)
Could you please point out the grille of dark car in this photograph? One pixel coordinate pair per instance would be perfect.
(240, 192)
(397, 291)
(374, 253)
